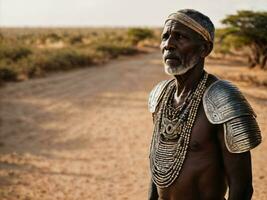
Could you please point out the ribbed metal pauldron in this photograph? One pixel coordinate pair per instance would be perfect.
(224, 104)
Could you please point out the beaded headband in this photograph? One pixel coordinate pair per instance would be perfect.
(191, 23)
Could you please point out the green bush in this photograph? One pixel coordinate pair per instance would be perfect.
(138, 34)
(14, 53)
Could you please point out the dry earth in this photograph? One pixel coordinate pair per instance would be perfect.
(85, 134)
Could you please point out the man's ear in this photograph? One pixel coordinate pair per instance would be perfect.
(205, 49)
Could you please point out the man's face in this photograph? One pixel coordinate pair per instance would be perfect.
(180, 47)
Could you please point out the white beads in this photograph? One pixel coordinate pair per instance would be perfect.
(167, 153)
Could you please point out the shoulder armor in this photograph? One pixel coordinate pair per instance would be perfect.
(223, 101)
(242, 134)
(224, 104)
(156, 95)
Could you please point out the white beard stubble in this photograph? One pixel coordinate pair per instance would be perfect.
(181, 68)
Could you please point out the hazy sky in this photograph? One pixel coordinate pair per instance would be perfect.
(112, 12)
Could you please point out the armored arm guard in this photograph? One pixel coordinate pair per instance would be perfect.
(224, 104)
(156, 95)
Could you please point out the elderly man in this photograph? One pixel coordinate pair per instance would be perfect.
(204, 128)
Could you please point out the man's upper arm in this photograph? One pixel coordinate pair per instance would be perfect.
(238, 170)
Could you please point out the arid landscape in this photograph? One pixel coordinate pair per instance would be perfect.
(85, 134)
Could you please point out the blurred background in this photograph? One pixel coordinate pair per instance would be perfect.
(74, 81)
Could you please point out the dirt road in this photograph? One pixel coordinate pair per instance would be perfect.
(85, 134)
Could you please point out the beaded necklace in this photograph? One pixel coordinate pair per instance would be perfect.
(172, 131)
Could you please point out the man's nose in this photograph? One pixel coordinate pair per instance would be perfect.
(170, 44)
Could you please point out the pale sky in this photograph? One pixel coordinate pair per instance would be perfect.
(113, 12)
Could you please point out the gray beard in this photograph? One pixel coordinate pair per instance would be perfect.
(180, 69)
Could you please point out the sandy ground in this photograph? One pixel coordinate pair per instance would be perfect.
(85, 134)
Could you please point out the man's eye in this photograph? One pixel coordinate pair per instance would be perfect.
(179, 36)
(165, 36)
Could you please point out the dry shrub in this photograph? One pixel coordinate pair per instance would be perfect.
(139, 34)
(62, 60)
(114, 50)
(13, 52)
(21, 56)
(7, 73)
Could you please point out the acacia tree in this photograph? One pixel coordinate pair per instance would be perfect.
(249, 29)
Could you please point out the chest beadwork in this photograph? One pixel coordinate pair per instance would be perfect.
(172, 131)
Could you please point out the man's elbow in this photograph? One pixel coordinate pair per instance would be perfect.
(248, 191)
(241, 191)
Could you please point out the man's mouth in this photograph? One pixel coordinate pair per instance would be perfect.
(172, 61)
(170, 56)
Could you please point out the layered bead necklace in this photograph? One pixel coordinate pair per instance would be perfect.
(172, 131)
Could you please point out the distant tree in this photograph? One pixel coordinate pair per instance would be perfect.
(249, 29)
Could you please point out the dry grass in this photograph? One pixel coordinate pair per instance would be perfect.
(27, 53)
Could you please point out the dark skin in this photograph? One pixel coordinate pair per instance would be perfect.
(209, 167)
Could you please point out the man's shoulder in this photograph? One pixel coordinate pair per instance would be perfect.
(225, 104)
(156, 94)
(223, 101)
